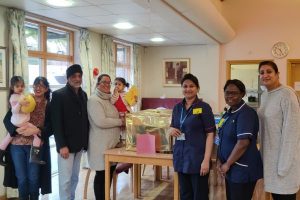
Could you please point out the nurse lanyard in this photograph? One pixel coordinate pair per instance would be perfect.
(182, 119)
(181, 115)
(219, 126)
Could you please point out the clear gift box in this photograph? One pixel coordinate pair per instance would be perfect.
(153, 121)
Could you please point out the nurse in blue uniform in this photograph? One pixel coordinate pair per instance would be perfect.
(239, 160)
(193, 126)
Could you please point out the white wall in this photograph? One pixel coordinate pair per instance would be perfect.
(204, 63)
(3, 94)
(258, 27)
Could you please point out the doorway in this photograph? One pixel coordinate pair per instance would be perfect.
(247, 72)
(293, 74)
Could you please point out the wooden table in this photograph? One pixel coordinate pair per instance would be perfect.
(121, 155)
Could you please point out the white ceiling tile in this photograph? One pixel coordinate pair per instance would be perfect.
(86, 11)
(106, 19)
(23, 4)
(54, 13)
(107, 2)
(125, 8)
(77, 3)
(150, 18)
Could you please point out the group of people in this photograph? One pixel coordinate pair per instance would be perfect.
(78, 124)
(239, 161)
(94, 124)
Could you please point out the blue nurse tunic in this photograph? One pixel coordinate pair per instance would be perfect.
(195, 123)
(241, 124)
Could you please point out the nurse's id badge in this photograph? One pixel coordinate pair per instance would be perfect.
(181, 137)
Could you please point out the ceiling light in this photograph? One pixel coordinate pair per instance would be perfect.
(123, 25)
(60, 3)
(157, 39)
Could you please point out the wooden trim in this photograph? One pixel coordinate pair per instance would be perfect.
(239, 62)
(42, 52)
(50, 20)
(290, 62)
(50, 56)
(71, 43)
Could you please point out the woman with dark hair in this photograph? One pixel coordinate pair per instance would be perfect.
(105, 125)
(239, 160)
(279, 116)
(193, 126)
(31, 176)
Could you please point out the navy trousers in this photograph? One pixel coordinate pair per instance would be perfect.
(193, 186)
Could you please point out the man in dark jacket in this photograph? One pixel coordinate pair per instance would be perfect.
(70, 126)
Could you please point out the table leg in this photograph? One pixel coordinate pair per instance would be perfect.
(139, 180)
(107, 178)
(158, 173)
(176, 186)
(135, 180)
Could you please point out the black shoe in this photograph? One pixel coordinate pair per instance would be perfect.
(2, 156)
(35, 154)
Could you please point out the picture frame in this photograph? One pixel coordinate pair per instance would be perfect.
(173, 71)
(3, 69)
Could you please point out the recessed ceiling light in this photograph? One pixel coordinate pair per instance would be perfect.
(123, 25)
(60, 3)
(157, 39)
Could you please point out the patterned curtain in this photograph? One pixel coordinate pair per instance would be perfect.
(16, 19)
(86, 60)
(108, 56)
(138, 52)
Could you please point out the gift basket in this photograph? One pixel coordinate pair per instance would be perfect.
(152, 121)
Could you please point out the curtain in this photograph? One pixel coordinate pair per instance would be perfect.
(137, 66)
(86, 60)
(19, 53)
(108, 56)
(16, 19)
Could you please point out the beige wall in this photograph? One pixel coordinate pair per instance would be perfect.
(259, 24)
(3, 94)
(204, 61)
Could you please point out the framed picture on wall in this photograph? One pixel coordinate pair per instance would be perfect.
(174, 69)
(3, 69)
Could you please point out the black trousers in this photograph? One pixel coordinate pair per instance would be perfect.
(238, 191)
(193, 186)
(99, 183)
(284, 196)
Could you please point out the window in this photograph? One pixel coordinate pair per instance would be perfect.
(123, 62)
(50, 52)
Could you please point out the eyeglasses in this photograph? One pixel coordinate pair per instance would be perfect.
(39, 87)
(231, 93)
(105, 82)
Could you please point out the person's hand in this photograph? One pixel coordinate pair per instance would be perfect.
(135, 98)
(224, 169)
(64, 152)
(116, 90)
(218, 165)
(204, 170)
(123, 121)
(174, 132)
(28, 130)
(23, 102)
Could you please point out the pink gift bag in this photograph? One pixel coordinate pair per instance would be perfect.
(145, 143)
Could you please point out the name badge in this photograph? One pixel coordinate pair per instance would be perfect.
(181, 137)
(197, 111)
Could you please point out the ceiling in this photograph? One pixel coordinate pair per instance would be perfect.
(171, 19)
